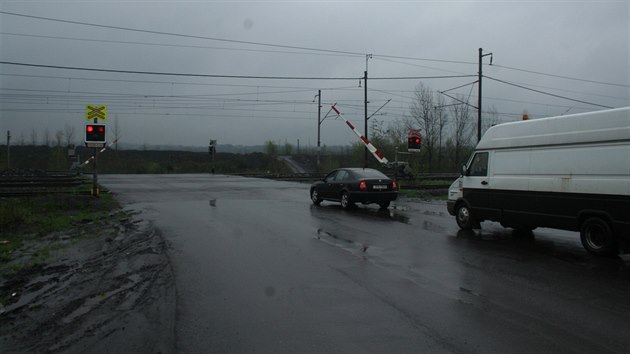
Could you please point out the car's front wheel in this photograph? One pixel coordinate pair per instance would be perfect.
(315, 197)
(346, 203)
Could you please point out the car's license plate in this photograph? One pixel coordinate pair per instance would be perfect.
(379, 187)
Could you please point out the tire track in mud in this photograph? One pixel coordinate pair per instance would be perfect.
(110, 292)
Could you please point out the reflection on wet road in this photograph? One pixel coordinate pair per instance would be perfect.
(260, 269)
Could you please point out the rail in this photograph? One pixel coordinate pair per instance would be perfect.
(11, 186)
(415, 184)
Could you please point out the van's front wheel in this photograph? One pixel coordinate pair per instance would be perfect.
(597, 237)
(464, 217)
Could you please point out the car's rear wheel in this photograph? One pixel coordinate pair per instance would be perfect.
(346, 202)
(315, 197)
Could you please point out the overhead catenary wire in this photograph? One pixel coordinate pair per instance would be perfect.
(309, 49)
(225, 75)
(355, 78)
(171, 45)
(181, 35)
(547, 93)
(561, 76)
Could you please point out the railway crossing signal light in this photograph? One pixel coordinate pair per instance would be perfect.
(95, 133)
(414, 143)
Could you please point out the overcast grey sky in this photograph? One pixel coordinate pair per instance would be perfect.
(575, 49)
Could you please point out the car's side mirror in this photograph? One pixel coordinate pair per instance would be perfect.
(464, 171)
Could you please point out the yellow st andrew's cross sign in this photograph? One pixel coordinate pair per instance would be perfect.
(95, 112)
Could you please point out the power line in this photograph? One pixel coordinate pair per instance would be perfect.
(561, 76)
(181, 35)
(547, 93)
(174, 45)
(76, 78)
(229, 76)
(419, 66)
(310, 49)
(177, 74)
(231, 40)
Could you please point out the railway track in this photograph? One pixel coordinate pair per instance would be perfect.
(57, 183)
(415, 184)
(11, 186)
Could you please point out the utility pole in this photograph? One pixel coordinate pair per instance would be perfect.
(319, 123)
(481, 55)
(365, 106)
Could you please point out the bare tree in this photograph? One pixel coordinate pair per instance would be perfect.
(441, 116)
(46, 137)
(491, 119)
(397, 132)
(59, 138)
(423, 114)
(462, 132)
(69, 134)
(34, 137)
(22, 140)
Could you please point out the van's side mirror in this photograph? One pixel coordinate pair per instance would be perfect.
(464, 170)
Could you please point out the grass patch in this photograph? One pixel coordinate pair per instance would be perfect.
(34, 217)
(424, 194)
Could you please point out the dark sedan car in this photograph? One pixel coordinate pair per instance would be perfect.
(355, 185)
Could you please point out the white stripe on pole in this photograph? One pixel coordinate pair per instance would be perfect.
(375, 152)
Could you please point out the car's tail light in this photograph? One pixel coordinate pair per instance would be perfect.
(394, 185)
(363, 186)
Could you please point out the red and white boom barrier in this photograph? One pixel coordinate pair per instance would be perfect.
(376, 152)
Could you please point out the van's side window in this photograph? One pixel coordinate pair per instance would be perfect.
(479, 165)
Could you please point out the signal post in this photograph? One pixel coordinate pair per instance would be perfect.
(95, 138)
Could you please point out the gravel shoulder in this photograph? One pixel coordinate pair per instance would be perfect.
(103, 287)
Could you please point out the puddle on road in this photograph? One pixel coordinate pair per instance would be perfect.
(342, 242)
(392, 214)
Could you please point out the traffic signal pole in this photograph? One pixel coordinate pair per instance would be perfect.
(365, 103)
(95, 191)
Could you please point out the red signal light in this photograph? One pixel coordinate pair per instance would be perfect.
(414, 143)
(95, 133)
(363, 186)
(394, 185)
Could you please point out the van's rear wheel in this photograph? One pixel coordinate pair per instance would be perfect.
(464, 218)
(597, 237)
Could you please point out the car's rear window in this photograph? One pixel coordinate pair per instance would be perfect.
(367, 173)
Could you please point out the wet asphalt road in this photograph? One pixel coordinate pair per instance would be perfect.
(258, 268)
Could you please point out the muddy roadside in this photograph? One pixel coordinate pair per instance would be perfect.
(101, 284)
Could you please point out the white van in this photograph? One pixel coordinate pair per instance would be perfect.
(569, 172)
